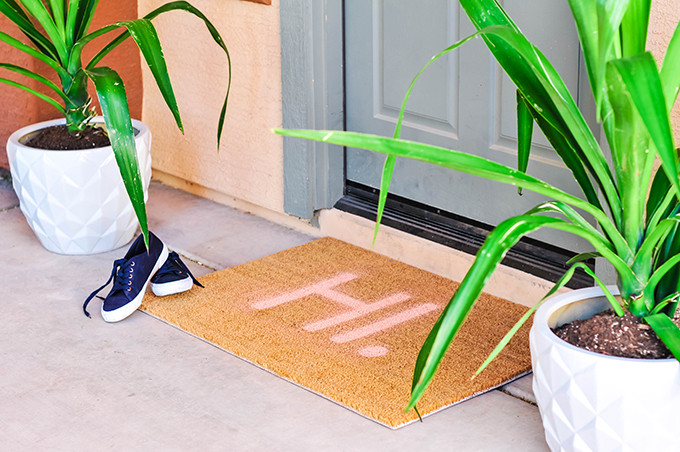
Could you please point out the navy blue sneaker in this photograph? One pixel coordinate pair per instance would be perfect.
(173, 277)
(130, 276)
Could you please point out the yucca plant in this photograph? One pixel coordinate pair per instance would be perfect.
(57, 31)
(636, 208)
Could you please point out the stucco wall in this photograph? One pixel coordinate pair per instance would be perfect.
(249, 165)
(26, 109)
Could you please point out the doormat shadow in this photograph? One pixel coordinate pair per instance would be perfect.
(347, 324)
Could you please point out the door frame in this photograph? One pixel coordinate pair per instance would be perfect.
(313, 93)
(313, 97)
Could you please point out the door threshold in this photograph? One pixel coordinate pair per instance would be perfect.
(531, 256)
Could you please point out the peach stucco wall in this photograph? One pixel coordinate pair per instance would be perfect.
(249, 164)
(22, 108)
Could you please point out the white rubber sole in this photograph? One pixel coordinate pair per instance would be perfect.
(171, 288)
(125, 311)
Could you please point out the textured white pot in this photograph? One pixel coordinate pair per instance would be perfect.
(75, 201)
(593, 402)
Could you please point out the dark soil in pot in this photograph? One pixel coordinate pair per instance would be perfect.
(60, 139)
(608, 334)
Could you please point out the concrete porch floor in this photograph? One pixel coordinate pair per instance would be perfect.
(71, 383)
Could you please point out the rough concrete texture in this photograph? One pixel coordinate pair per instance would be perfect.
(72, 383)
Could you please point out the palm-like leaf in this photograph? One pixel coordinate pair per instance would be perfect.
(12, 10)
(497, 244)
(114, 104)
(145, 36)
(670, 70)
(598, 24)
(644, 86)
(667, 331)
(55, 33)
(527, 315)
(544, 89)
(525, 129)
(187, 7)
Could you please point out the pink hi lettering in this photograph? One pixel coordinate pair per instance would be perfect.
(356, 308)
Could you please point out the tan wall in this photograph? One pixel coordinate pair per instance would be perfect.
(27, 109)
(249, 165)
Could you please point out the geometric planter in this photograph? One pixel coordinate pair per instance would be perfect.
(75, 201)
(594, 402)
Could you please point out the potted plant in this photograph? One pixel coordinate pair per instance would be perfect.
(75, 201)
(607, 402)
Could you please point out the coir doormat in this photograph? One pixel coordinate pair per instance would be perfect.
(347, 324)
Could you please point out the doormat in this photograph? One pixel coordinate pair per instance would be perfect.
(347, 324)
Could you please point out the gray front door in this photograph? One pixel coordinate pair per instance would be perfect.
(463, 102)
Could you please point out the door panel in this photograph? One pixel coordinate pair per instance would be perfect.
(462, 102)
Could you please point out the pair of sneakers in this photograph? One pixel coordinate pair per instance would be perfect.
(131, 274)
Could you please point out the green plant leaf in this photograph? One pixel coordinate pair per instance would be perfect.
(525, 129)
(11, 10)
(385, 179)
(111, 93)
(78, 19)
(670, 299)
(573, 216)
(581, 257)
(83, 18)
(597, 23)
(662, 270)
(670, 69)
(507, 338)
(616, 307)
(145, 36)
(543, 88)
(496, 245)
(187, 7)
(634, 27)
(567, 149)
(565, 146)
(640, 75)
(7, 39)
(627, 135)
(660, 201)
(560, 283)
(499, 241)
(56, 34)
(644, 258)
(390, 161)
(439, 55)
(58, 14)
(72, 27)
(38, 94)
(669, 277)
(463, 162)
(564, 279)
(668, 332)
(40, 78)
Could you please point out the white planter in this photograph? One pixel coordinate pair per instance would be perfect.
(593, 402)
(75, 201)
